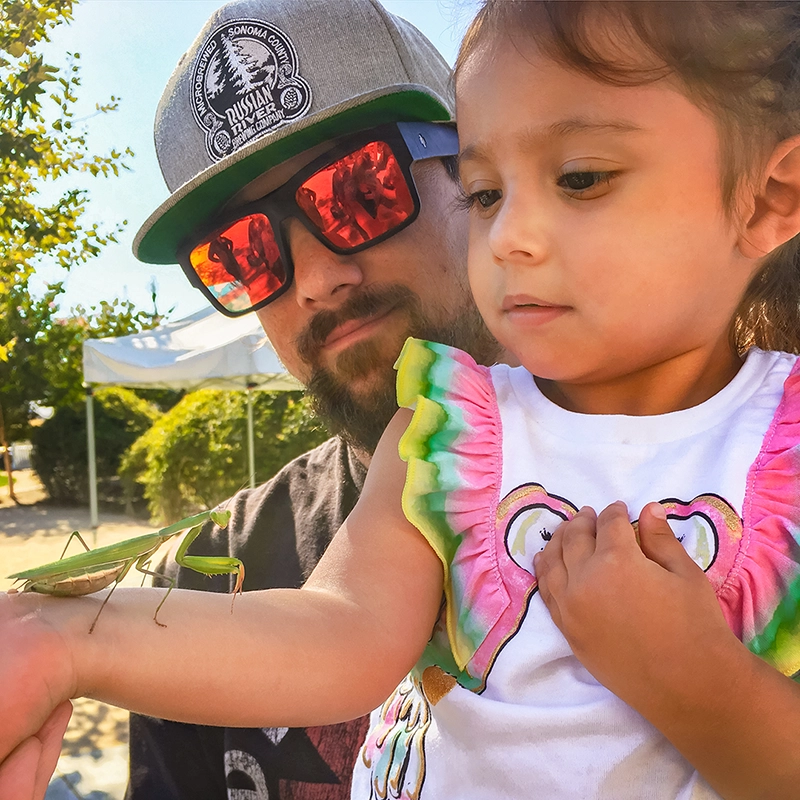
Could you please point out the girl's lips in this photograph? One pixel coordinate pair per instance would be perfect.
(531, 310)
(513, 301)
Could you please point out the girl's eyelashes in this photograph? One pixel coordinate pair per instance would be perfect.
(577, 184)
(481, 200)
(585, 184)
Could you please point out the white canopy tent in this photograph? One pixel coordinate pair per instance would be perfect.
(203, 351)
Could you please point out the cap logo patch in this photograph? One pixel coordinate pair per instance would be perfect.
(245, 84)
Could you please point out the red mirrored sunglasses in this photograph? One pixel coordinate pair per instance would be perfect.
(356, 195)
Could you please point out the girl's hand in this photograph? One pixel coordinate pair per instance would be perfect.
(633, 611)
(644, 620)
(35, 681)
(26, 773)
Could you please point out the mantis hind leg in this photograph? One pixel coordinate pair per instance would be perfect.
(80, 539)
(143, 569)
(145, 572)
(108, 597)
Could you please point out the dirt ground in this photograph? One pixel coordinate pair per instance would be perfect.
(34, 532)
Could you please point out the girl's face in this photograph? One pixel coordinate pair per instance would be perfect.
(600, 254)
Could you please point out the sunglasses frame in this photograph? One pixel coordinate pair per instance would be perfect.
(409, 142)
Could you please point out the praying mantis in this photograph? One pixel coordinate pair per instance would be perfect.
(97, 569)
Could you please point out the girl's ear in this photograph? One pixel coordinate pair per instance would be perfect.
(775, 216)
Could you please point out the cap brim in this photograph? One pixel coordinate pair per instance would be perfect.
(160, 237)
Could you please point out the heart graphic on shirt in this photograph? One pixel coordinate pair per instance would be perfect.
(699, 524)
(529, 515)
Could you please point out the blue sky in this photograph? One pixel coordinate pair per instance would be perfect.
(128, 49)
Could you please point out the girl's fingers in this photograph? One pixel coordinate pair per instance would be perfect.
(51, 737)
(659, 544)
(578, 540)
(571, 543)
(19, 772)
(548, 567)
(547, 576)
(656, 539)
(26, 773)
(614, 528)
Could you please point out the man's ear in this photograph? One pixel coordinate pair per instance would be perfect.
(775, 214)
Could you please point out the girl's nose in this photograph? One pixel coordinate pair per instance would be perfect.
(517, 233)
(322, 279)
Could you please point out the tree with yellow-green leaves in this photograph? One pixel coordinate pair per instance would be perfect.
(42, 144)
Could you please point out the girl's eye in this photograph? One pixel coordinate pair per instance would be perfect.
(487, 198)
(585, 185)
(481, 200)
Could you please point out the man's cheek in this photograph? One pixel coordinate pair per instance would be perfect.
(281, 335)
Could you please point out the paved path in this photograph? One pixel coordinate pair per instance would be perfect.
(93, 762)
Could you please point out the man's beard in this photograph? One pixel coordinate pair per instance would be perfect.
(360, 418)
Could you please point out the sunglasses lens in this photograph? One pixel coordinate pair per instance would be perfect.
(240, 265)
(357, 198)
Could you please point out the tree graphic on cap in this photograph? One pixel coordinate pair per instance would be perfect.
(242, 67)
(215, 80)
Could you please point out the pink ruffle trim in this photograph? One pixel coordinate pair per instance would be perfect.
(760, 596)
(452, 484)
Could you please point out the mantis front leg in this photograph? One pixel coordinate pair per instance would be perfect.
(208, 565)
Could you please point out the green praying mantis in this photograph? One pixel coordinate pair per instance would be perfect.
(97, 569)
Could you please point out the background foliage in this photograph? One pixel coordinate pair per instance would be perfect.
(195, 455)
(60, 445)
(41, 146)
(46, 364)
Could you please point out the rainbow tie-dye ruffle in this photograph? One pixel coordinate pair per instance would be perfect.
(453, 447)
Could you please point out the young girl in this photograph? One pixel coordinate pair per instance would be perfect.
(633, 175)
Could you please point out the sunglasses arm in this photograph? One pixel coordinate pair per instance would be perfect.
(428, 140)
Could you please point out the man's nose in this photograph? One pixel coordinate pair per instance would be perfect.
(322, 278)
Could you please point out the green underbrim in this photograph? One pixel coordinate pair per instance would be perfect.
(161, 242)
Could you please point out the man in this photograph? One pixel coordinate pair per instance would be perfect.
(282, 203)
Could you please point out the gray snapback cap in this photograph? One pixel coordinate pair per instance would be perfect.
(268, 79)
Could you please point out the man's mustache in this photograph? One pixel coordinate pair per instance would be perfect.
(374, 300)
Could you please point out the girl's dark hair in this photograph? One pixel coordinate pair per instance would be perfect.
(739, 60)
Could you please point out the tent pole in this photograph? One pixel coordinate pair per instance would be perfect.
(251, 447)
(92, 462)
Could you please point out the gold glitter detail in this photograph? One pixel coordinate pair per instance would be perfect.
(732, 521)
(436, 683)
(516, 496)
(728, 516)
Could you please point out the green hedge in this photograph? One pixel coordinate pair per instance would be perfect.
(60, 447)
(195, 455)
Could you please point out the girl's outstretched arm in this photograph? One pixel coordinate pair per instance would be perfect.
(330, 651)
(644, 620)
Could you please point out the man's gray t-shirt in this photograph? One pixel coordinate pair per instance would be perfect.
(279, 530)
